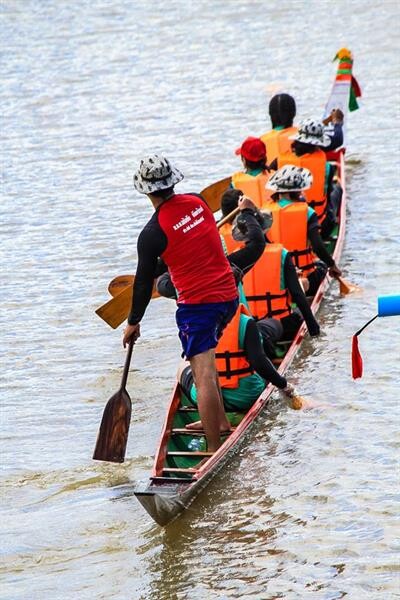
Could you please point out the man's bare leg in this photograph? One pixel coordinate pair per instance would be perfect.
(212, 414)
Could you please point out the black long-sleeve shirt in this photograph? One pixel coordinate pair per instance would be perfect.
(257, 358)
(316, 241)
(298, 296)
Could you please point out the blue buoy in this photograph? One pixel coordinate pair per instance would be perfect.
(388, 306)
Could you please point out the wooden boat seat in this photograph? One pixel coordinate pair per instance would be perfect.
(184, 431)
(189, 453)
(277, 361)
(158, 479)
(187, 409)
(178, 470)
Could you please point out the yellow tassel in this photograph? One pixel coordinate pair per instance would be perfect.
(343, 53)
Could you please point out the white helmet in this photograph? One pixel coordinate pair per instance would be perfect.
(290, 179)
(311, 132)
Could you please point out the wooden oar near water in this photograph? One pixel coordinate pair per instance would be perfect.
(113, 433)
(115, 311)
(345, 287)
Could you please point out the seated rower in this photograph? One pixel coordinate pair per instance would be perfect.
(271, 287)
(229, 201)
(243, 368)
(308, 150)
(295, 225)
(253, 178)
(282, 110)
(334, 189)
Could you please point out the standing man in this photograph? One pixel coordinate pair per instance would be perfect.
(182, 232)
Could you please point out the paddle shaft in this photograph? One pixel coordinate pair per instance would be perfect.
(127, 365)
(228, 217)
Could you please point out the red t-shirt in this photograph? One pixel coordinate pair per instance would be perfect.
(197, 264)
(183, 233)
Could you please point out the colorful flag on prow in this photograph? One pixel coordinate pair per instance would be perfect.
(345, 90)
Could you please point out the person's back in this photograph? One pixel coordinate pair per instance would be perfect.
(189, 227)
(290, 228)
(307, 152)
(282, 110)
(252, 180)
(295, 224)
(264, 285)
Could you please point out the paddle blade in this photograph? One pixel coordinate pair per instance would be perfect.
(113, 433)
(115, 311)
(347, 288)
(119, 283)
(297, 402)
(356, 359)
(212, 193)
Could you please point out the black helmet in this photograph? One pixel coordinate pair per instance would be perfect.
(282, 110)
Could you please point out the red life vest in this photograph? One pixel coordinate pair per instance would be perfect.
(289, 228)
(316, 163)
(277, 142)
(263, 286)
(253, 186)
(194, 254)
(231, 361)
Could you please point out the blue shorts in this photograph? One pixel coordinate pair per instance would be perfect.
(201, 325)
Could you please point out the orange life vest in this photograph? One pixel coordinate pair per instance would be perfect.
(253, 186)
(316, 163)
(230, 243)
(289, 228)
(230, 358)
(277, 142)
(263, 286)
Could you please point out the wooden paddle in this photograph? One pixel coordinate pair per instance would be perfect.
(120, 282)
(115, 311)
(113, 433)
(212, 193)
(345, 287)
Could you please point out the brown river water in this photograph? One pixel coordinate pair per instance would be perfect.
(309, 506)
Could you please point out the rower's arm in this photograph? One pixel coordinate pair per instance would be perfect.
(258, 360)
(151, 244)
(246, 257)
(298, 296)
(317, 243)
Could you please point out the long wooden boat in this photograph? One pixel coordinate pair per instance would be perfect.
(181, 470)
